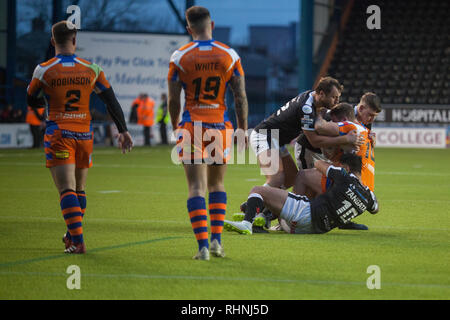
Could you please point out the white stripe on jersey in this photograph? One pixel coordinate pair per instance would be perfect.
(177, 55)
(230, 51)
(39, 71)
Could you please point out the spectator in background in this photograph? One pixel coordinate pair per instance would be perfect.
(162, 117)
(35, 118)
(134, 106)
(17, 116)
(6, 114)
(145, 117)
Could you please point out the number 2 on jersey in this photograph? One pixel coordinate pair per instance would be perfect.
(212, 85)
(74, 96)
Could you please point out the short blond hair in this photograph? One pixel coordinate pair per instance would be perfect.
(63, 31)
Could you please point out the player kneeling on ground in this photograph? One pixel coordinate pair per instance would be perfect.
(345, 200)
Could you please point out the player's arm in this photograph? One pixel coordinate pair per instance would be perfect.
(308, 123)
(373, 138)
(237, 84)
(36, 102)
(375, 207)
(320, 141)
(329, 170)
(115, 110)
(322, 166)
(330, 152)
(37, 114)
(174, 102)
(106, 93)
(34, 98)
(326, 128)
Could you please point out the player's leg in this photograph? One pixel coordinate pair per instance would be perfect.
(271, 166)
(268, 158)
(308, 182)
(81, 177)
(196, 175)
(289, 168)
(65, 182)
(83, 161)
(146, 130)
(259, 197)
(217, 205)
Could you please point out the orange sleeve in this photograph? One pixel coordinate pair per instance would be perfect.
(345, 127)
(238, 70)
(173, 73)
(101, 84)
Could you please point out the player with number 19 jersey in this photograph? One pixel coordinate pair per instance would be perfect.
(67, 82)
(204, 69)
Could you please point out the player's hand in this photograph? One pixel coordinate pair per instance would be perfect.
(355, 139)
(373, 138)
(125, 141)
(241, 136)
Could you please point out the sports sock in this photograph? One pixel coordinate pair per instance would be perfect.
(199, 220)
(217, 209)
(81, 195)
(255, 205)
(82, 200)
(71, 211)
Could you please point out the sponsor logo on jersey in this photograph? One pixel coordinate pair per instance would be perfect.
(307, 109)
(307, 122)
(72, 116)
(206, 106)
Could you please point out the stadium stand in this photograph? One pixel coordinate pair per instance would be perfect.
(406, 62)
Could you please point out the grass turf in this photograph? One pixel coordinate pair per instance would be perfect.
(140, 242)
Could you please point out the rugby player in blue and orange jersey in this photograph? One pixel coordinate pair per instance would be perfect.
(204, 68)
(63, 85)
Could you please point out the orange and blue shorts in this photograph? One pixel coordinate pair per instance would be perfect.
(199, 142)
(68, 147)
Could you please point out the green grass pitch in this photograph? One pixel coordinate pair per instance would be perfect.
(140, 242)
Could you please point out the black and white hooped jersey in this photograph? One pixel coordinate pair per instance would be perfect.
(291, 119)
(345, 200)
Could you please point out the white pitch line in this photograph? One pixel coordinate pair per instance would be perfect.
(213, 278)
(109, 191)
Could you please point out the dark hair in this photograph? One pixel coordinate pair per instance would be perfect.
(372, 101)
(353, 161)
(342, 110)
(62, 33)
(326, 84)
(196, 16)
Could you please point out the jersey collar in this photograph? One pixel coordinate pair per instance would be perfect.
(204, 42)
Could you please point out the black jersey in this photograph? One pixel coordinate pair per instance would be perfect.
(303, 140)
(291, 119)
(345, 200)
